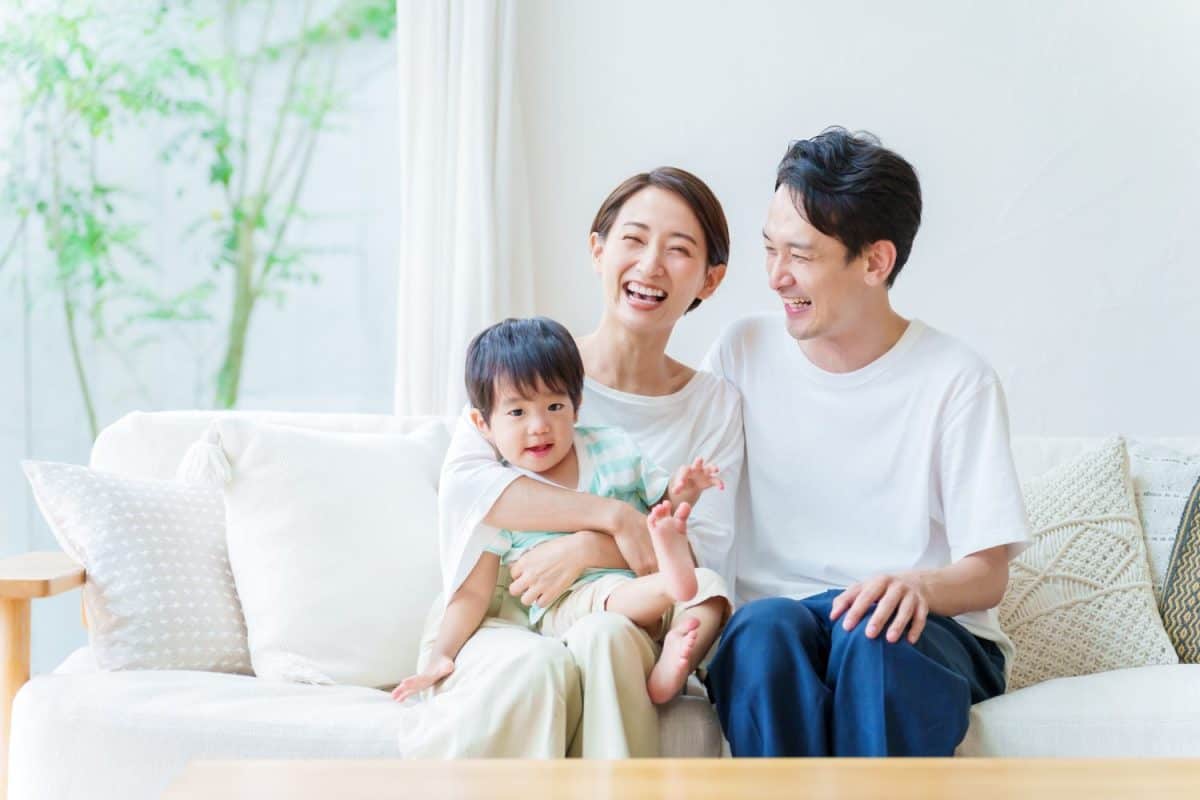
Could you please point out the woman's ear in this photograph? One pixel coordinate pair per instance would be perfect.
(712, 279)
(596, 246)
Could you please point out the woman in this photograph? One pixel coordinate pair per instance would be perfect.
(660, 244)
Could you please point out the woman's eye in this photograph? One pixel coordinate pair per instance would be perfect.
(629, 238)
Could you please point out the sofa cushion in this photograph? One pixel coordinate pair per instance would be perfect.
(159, 591)
(1079, 599)
(1147, 711)
(152, 723)
(1181, 595)
(333, 544)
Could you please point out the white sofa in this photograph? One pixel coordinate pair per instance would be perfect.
(81, 732)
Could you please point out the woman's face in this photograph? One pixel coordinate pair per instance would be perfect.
(653, 262)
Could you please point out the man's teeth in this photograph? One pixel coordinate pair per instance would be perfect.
(648, 292)
(797, 301)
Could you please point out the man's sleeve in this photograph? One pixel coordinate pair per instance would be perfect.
(980, 494)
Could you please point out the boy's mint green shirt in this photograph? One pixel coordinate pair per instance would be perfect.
(610, 465)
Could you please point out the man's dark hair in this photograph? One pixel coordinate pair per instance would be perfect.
(528, 354)
(848, 186)
(693, 191)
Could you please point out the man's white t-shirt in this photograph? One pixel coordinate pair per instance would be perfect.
(902, 464)
(703, 419)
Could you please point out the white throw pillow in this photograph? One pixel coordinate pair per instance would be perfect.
(159, 591)
(333, 544)
(1079, 599)
(1163, 478)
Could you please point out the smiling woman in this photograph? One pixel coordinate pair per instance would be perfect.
(659, 244)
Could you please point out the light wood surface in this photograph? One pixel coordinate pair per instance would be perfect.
(695, 779)
(39, 575)
(22, 578)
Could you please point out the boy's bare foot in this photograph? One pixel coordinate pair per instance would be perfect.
(671, 671)
(668, 534)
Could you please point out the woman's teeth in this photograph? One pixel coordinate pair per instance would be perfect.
(644, 292)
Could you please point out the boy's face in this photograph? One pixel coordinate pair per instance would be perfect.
(534, 432)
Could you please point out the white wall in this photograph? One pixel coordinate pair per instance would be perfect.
(1058, 145)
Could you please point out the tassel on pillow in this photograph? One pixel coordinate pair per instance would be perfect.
(205, 462)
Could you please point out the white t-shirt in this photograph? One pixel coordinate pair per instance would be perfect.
(703, 419)
(902, 464)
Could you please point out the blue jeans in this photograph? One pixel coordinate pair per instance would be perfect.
(786, 681)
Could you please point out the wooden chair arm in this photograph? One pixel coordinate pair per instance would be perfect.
(23, 578)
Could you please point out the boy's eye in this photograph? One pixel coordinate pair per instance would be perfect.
(557, 406)
(516, 412)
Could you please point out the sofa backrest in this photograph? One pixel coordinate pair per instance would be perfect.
(150, 445)
(1036, 454)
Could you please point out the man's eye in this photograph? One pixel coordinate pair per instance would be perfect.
(681, 250)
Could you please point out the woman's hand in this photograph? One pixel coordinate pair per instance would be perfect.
(546, 571)
(438, 668)
(629, 531)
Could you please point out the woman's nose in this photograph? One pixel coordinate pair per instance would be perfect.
(652, 261)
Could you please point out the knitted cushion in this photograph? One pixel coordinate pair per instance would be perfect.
(1181, 594)
(1079, 599)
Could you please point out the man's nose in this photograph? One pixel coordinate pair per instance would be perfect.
(777, 277)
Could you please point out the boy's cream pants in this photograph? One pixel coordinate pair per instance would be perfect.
(519, 694)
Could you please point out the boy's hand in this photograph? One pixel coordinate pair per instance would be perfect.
(437, 669)
(691, 480)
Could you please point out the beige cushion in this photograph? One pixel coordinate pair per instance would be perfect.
(1079, 599)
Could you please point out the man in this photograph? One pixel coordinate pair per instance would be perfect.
(880, 504)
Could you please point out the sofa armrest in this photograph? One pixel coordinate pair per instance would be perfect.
(23, 578)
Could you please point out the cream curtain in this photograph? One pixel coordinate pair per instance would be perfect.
(465, 244)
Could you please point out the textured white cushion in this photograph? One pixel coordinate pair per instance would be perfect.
(1143, 712)
(127, 735)
(1079, 599)
(159, 591)
(333, 544)
(1163, 478)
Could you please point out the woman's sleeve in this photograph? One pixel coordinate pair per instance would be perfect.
(711, 526)
(472, 479)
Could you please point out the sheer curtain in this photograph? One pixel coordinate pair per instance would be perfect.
(465, 251)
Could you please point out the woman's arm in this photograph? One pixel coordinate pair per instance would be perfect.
(476, 489)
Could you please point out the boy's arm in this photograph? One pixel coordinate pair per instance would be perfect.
(691, 480)
(462, 618)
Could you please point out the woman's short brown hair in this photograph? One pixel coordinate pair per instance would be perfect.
(693, 191)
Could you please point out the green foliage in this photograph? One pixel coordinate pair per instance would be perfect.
(89, 75)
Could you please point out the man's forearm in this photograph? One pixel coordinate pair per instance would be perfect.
(974, 583)
(529, 505)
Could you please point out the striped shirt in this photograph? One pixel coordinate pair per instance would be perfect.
(610, 465)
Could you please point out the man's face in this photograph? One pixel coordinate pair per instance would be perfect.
(821, 288)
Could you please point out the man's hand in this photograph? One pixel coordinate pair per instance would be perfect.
(545, 572)
(902, 598)
(690, 481)
(437, 669)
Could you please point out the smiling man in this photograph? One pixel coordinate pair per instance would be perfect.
(880, 504)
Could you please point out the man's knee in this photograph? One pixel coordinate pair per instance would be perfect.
(770, 617)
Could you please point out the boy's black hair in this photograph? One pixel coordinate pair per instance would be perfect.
(528, 354)
(848, 186)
